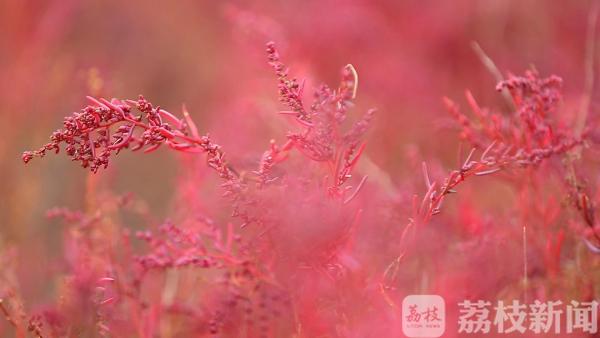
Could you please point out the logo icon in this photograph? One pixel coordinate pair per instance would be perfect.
(423, 316)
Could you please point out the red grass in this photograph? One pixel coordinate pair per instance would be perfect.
(302, 244)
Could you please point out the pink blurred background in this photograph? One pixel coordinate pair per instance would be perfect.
(209, 55)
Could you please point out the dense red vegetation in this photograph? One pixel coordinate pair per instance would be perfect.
(318, 214)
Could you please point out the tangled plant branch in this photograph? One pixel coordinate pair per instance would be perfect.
(525, 138)
(106, 127)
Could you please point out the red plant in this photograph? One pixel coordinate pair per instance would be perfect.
(104, 128)
(269, 227)
(307, 267)
(523, 139)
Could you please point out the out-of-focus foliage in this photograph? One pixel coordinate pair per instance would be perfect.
(330, 270)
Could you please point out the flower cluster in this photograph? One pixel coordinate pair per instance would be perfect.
(531, 133)
(104, 128)
(525, 138)
(322, 138)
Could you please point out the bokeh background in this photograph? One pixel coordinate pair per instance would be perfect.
(209, 55)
